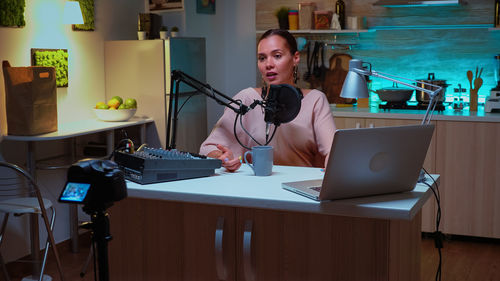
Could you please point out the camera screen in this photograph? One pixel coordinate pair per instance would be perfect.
(74, 192)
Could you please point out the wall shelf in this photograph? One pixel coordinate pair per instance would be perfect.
(324, 31)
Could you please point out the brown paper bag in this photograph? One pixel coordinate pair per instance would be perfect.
(31, 99)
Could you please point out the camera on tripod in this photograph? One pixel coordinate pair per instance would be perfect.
(96, 184)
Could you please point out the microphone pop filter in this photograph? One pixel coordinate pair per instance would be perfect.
(283, 104)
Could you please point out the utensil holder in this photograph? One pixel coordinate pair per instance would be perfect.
(473, 100)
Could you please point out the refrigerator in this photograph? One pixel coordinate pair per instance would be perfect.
(141, 69)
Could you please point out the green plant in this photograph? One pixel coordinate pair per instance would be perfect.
(164, 28)
(281, 13)
(175, 29)
(87, 7)
(57, 59)
(12, 13)
(140, 28)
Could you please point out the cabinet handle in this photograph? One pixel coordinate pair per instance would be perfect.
(220, 267)
(247, 252)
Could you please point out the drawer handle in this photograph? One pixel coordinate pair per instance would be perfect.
(247, 252)
(220, 267)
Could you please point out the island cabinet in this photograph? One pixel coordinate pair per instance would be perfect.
(165, 240)
(429, 209)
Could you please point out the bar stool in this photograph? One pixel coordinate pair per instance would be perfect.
(14, 184)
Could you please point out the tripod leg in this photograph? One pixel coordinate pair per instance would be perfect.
(86, 265)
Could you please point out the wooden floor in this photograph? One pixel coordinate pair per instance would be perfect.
(463, 259)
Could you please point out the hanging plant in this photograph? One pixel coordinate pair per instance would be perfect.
(87, 7)
(12, 13)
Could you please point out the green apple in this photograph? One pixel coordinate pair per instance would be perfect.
(131, 103)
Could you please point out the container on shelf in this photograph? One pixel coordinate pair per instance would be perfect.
(322, 19)
(306, 10)
(293, 19)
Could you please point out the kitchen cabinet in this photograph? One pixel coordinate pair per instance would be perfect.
(165, 240)
(429, 209)
(465, 154)
(468, 156)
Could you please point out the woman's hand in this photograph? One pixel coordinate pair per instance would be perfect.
(226, 155)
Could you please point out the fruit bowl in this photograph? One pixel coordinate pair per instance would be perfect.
(115, 115)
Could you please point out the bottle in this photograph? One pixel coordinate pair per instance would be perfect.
(497, 13)
(340, 10)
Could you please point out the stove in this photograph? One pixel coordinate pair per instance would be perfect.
(404, 105)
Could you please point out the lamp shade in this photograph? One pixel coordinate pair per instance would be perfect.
(72, 13)
(355, 83)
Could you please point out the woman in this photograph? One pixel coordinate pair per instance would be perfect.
(305, 141)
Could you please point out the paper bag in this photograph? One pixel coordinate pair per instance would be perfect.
(30, 99)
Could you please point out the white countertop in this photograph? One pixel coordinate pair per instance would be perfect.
(446, 115)
(80, 127)
(243, 189)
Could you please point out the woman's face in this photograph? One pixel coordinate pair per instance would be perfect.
(275, 61)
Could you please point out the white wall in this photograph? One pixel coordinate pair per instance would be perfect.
(230, 41)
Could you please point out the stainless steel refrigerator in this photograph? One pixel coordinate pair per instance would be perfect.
(141, 69)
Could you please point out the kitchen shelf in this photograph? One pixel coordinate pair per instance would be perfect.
(444, 26)
(324, 31)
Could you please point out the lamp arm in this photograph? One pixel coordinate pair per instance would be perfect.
(432, 93)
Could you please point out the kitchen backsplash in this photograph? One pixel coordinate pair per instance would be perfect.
(415, 44)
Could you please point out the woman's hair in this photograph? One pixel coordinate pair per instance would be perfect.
(290, 40)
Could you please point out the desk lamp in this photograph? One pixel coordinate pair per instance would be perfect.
(355, 85)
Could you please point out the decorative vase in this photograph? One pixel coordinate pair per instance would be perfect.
(163, 34)
(141, 35)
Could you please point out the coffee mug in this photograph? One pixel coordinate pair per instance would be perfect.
(262, 160)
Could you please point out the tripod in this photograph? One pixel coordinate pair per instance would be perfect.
(99, 226)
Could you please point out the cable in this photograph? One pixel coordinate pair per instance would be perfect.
(438, 235)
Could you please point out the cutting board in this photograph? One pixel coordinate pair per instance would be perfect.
(334, 78)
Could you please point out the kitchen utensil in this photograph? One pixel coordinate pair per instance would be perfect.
(478, 82)
(469, 76)
(394, 94)
(335, 76)
(423, 97)
(473, 100)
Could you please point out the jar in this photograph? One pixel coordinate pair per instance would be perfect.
(306, 10)
(293, 19)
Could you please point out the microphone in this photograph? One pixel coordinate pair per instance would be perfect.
(282, 104)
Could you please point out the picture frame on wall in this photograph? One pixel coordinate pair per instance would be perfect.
(165, 5)
(205, 6)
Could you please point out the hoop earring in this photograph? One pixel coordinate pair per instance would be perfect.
(295, 74)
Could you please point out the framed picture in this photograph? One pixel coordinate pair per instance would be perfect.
(205, 6)
(165, 5)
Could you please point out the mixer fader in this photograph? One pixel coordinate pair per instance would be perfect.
(151, 165)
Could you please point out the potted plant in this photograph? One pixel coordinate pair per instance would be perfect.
(163, 32)
(174, 31)
(282, 15)
(141, 34)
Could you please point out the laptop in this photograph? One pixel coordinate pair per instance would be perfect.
(370, 161)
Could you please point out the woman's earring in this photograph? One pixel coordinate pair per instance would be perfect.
(295, 74)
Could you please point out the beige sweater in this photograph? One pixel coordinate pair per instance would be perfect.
(305, 141)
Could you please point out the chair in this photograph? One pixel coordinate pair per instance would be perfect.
(24, 197)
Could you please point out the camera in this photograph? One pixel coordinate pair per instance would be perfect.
(95, 183)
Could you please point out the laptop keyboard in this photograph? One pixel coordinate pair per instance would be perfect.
(316, 188)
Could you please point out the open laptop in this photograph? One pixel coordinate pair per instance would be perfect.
(371, 161)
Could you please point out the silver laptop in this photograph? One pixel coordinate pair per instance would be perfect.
(371, 161)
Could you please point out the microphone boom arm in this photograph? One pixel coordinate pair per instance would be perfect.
(178, 76)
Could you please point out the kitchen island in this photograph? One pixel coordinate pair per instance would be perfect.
(464, 151)
(236, 226)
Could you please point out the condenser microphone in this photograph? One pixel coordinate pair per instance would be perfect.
(282, 104)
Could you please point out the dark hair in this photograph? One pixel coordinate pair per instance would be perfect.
(291, 42)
